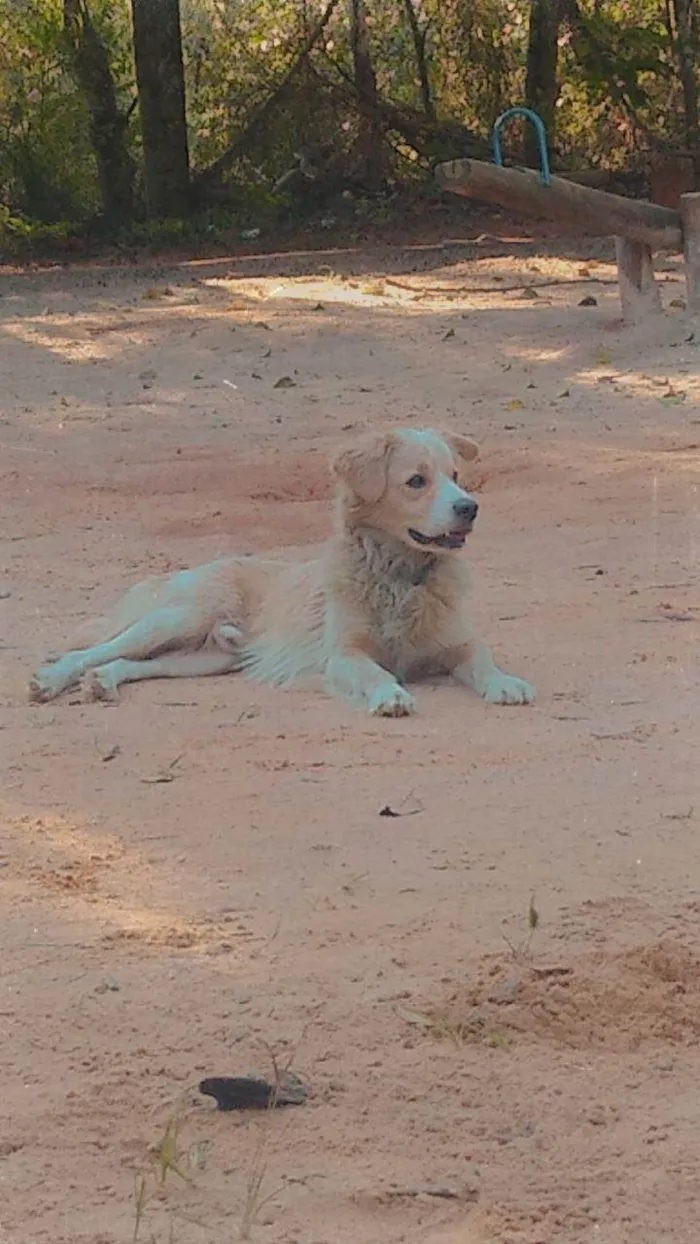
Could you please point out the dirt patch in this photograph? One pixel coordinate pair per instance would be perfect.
(619, 1001)
(202, 881)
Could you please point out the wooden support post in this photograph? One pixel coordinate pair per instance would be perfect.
(690, 212)
(639, 293)
(590, 211)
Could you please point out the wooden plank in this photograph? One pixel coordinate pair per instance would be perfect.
(590, 211)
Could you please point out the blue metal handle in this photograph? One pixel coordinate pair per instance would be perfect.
(545, 175)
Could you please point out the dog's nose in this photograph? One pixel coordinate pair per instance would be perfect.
(466, 509)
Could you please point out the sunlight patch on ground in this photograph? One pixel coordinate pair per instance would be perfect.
(64, 862)
(83, 338)
(677, 387)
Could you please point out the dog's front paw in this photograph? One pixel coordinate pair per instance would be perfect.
(505, 689)
(391, 701)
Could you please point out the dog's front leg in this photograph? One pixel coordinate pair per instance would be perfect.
(356, 677)
(475, 667)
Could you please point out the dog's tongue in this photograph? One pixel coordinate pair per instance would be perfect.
(452, 539)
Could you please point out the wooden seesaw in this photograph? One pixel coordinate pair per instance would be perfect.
(639, 228)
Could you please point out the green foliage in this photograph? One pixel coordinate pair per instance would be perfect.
(618, 70)
(47, 165)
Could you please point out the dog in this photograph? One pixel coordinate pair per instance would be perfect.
(383, 603)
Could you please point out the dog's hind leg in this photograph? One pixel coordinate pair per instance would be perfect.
(170, 626)
(103, 682)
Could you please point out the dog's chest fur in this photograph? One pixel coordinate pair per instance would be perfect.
(410, 603)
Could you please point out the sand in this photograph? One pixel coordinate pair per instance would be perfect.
(200, 881)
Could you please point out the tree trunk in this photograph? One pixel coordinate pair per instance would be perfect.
(541, 80)
(686, 21)
(161, 85)
(91, 69)
(370, 138)
(420, 34)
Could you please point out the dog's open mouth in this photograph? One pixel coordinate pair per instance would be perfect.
(448, 540)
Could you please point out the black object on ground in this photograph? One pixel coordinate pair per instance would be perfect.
(247, 1093)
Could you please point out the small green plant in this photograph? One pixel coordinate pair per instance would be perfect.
(255, 1196)
(169, 1151)
(140, 1202)
(522, 951)
(169, 1158)
(172, 1157)
(459, 1033)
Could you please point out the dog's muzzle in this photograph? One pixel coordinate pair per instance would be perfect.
(465, 512)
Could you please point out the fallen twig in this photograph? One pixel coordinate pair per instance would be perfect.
(427, 290)
(443, 1193)
(403, 810)
(167, 774)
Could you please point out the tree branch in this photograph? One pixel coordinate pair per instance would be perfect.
(209, 176)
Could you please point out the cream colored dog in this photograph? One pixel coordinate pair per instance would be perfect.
(384, 602)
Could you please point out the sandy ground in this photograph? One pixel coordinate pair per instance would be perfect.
(200, 880)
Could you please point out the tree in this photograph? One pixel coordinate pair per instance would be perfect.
(370, 135)
(685, 15)
(161, 88)
(419, 34)
(108, 125)
(541, 79)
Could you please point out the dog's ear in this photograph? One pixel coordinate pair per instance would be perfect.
(462, 446)
(363, 467)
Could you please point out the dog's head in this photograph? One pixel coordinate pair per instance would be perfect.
(405, 483)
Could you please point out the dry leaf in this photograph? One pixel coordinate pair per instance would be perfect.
(515, 404)
(284, 382)
(158, 291)
(414, 1017)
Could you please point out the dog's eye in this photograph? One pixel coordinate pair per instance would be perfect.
(416, 481)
